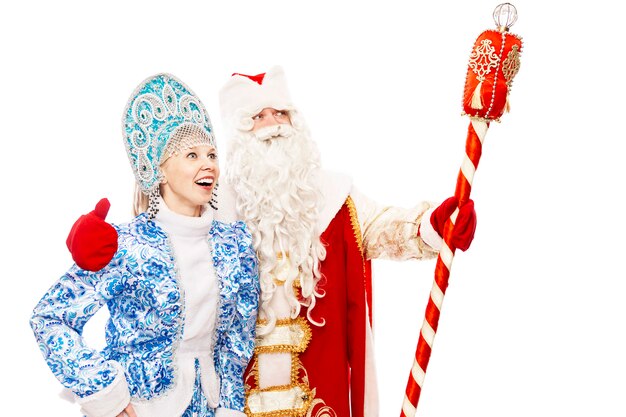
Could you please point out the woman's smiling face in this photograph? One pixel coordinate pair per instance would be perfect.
(189, 179)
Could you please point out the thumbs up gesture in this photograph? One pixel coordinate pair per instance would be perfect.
(92, 241)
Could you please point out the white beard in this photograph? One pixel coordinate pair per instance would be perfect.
(275, 174)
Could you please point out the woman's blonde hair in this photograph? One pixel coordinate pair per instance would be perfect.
(140, 201)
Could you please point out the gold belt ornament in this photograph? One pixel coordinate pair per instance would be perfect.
(289, 335)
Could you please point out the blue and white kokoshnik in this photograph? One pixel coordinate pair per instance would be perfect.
(160, 105)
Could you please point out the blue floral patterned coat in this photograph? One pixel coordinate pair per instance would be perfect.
(146, 306)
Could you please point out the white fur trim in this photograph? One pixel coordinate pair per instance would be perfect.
(428, 233)
(242, 96)
(210, 381)
(110, 401)
(67, 395)
(336, 188)
(227, 412)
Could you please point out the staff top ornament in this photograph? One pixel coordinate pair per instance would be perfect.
(493, 63)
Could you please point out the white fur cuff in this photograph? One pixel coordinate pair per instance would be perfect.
(428, 233)
(110, 401)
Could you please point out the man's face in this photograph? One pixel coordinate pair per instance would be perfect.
(270, 117)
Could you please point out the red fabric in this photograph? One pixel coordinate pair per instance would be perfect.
(256, 78)
(464, 226)
(335, 359)
(368, 290)
(92, 241)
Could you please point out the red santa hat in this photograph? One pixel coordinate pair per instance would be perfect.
(244, 96)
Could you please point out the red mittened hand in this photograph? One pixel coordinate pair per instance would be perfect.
(92, 241)
(464, 226)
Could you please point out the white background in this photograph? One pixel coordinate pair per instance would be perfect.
(533, 321)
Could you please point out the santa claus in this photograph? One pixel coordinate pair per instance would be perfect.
(314, 234)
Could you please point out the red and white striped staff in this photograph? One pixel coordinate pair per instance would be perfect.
(493, 63)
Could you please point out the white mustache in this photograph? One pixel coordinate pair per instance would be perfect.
(276, 131)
